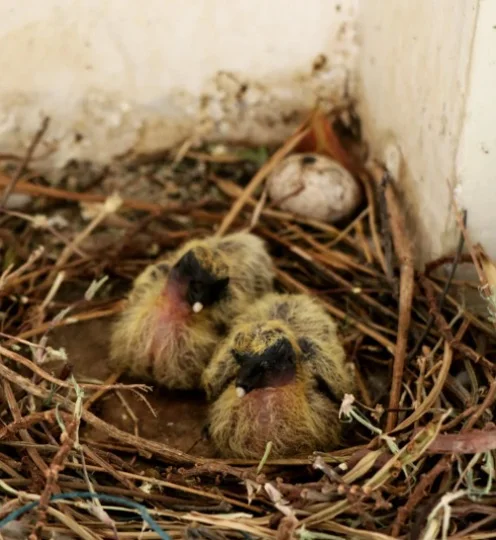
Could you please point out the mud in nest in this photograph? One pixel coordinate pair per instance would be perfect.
(421, 441)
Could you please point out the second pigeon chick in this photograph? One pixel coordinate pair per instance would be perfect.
(180, 308)
(280, 376)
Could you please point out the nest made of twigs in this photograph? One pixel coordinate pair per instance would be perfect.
(421, 445)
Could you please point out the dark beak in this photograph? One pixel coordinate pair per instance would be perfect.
(274, 367)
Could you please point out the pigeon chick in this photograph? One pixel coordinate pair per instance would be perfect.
(179, 308)
(279, 376)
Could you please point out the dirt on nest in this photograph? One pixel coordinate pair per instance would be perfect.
(179, 416)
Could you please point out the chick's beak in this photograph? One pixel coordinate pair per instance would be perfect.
(197, 307)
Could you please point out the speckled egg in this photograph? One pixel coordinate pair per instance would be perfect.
(314, 186)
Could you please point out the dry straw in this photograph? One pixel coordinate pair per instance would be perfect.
(420, 455)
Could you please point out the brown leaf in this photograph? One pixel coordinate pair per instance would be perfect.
(322, 139)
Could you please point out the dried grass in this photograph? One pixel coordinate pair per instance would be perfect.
(421, 452)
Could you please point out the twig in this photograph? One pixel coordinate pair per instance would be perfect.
(445, 330)
(367, 183)
(25, 436)
(442, 298)
(107, 385)
(362, 239)
(258, 210)
(345, 232)
(446, 259)
(460, 218)
(80, 317)
(67, 439)
(110, 206)
(234, 191)
(326, 270)
(130, 412)
(328, 257)
(57, 282)
(64, 384)
(257, 180)
(27, 421)
(419, 493)
(108, 468)
(8, 276)
(433, 394)
(365, 481)
(55, 193)
(387, 238)
(404, 252)
(25, 162)
(484, 406)
(293, 283)
(88, 495)
(136, 442)
(471, 441)
(474, 320)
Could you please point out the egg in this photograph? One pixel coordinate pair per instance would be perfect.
(314, 186)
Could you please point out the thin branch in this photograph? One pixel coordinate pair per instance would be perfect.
(257, 180)
(404, 252)
(61, 194)
(25, 162)
(444, 293)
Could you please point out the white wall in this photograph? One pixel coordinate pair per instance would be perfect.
(476, 158)
(414, 77)
(139, 76)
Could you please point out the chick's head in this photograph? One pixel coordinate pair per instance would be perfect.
(199, 278)
(267, 356)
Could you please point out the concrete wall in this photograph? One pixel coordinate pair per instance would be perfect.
(414, 78)
(119, 76)
(428, 78)
(476, 158)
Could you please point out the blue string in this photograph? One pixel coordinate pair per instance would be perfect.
(88, 495)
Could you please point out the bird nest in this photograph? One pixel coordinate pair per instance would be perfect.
(86, 453)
